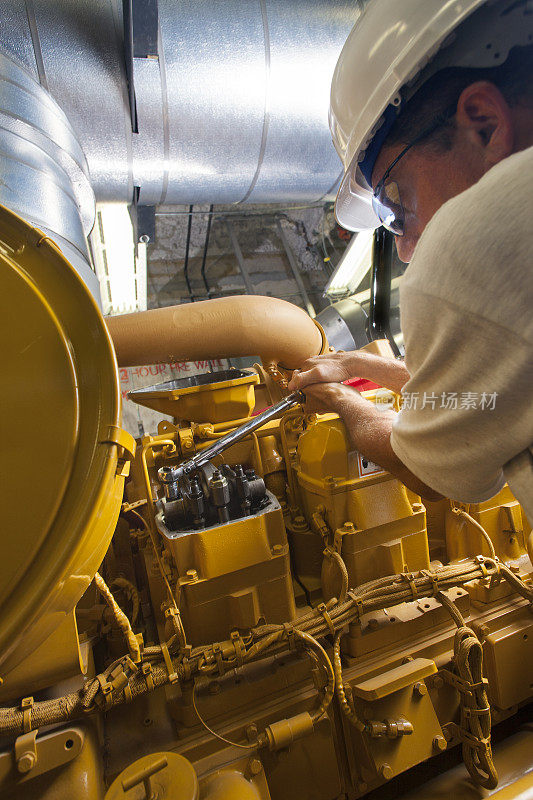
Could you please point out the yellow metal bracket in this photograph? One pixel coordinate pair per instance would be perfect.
(239, 647)
(173, 676)
(27, 708)
(134, 505)
(462, 686)
(126, 444)
(393, 680)
(36, 755)
(26, 752)
(457, 731)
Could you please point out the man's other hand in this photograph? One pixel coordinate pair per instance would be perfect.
(330, 368)
(339, 367)
(323, 398)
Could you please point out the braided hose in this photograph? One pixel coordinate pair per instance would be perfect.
(347, 708)
(339, 561)
(132, 592)
(475, 710)
(120, 618)
(76, 704)
(462, 513)
(329, 689)
(267, 640)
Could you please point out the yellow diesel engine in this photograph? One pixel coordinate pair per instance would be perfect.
(273, 616)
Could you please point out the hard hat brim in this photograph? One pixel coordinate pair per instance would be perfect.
(353, 204)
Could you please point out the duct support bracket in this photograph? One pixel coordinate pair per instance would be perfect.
(142, 220)
(141, 37)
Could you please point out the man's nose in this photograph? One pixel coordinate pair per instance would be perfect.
(405, 246)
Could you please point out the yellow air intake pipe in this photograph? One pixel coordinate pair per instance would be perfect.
(226, 327)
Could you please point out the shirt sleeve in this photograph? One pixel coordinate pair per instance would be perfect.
(467, 407)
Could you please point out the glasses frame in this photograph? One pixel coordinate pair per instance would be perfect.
(441, 120)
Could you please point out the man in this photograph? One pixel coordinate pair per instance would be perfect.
(448, 165)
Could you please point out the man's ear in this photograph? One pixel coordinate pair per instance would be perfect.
(485, 116)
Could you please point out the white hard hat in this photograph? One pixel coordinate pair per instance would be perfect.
(392, 50)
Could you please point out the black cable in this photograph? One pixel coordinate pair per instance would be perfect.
(206, 245)
(378, 326)
(186, 262)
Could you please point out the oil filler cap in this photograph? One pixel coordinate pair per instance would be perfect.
(165, 776)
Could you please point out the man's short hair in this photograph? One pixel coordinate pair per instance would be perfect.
(514, 79)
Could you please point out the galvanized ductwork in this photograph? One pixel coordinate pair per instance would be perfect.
(233, 108)
(43, 171)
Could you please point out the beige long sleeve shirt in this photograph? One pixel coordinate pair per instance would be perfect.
(466, 304)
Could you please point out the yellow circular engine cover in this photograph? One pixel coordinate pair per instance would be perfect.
(165, 776)
(60, 440)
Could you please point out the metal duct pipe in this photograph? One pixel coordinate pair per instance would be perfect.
(233, 109)
(227, 327)
(345, 323)
(44, 174)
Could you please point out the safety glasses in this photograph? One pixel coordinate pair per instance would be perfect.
(386, 199)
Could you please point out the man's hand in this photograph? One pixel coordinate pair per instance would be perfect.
(330, 368)
(323, 398)
(338, 367)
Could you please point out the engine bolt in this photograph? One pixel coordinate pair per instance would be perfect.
(299, 523)
(482, 630)
(386, 771)
(420, 689)
(254, 767)
(348, 527)
(438, 682)
(191, 575)
(251, 732)
(277, 550)
(448, 735)
(26, 762)
(439, 743)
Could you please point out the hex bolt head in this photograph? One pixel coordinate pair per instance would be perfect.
(386, 771)
(440, 743)
(438, 682)
(482, 630)
(251, 732)
(255, 766)
(299, 523)
(26, 762)
(420, 689)
(192, 575)
(448, 735)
